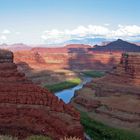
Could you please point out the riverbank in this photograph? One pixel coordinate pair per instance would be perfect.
(99, 131)
(56, 87)
(67, 94)
(63, 85)
(94, 74)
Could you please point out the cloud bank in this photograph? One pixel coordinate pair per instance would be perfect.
(127, 32)
(55, 36)
(3, 35)
(6, 34)
(6, 31)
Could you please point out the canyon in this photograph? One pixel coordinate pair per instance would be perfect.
(112, 99)
(115, 98)
(43, 64)
(27, 109)
(57, 64)
(62, 63)
(67, 58)
(74, 56)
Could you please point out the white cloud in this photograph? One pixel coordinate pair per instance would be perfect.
(57, 36)
(6, 31)
(126, 31)
(17, 33)
(107, 24)
(92, 31)
(3, 39)
(6, 35)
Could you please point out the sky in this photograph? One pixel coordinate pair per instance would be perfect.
(56, 21)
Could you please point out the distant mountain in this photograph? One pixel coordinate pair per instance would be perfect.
(16, 47)
(77, 46)
(118, 45)
(3, 46)
(104, 43)
(88, 41)
(137, 43)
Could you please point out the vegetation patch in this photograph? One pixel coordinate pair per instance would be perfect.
(99, 131)
(63, 85)
(95, 74)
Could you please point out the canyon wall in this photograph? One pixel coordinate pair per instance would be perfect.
(115, 98)
(67, 58)
(27, 109)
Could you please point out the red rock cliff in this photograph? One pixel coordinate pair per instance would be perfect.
(27, 109)
(115, 98)
(69, 58)
(124, 78)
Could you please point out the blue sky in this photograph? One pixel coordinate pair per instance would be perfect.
(41, 21)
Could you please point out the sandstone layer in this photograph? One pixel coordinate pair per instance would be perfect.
(27, 109)
(67, 58)
(115, 98)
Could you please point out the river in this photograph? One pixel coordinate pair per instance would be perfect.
(67, 94)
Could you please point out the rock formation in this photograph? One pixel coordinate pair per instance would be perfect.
(27, 109)
(68, 58)
(124, 78)
(129, 68)
(35, 62)
(115, 98)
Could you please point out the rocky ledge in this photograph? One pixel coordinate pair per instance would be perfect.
(115, 98)
(27, 109)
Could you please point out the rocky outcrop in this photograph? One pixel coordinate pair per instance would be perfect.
(27, 109)
(116, 95)
(6, 56)
(125, 78)
(89, 104)
(129, 68)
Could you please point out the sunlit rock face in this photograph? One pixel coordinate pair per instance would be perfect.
(125, 78)
(27, 109)
(73, 58)
(67, 58)
(129, 68)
